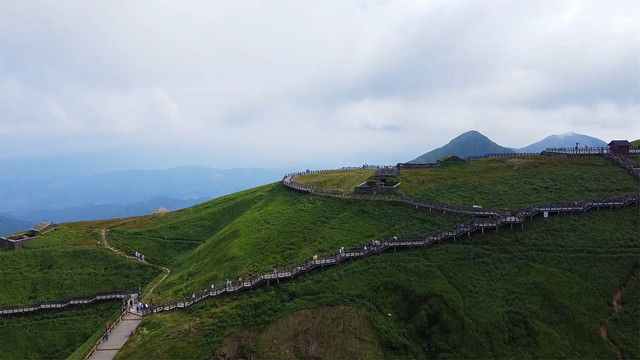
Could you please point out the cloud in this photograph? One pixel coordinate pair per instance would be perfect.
(288, 82)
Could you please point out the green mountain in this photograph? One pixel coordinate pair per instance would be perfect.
(542, 291)
(471, 143)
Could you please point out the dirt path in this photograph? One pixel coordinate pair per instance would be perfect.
(617, 305)
(166, 270)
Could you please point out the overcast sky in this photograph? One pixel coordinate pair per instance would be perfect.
(280, 83)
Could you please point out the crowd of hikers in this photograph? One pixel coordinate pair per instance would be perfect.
(139, 256)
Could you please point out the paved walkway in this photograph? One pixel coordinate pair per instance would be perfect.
(119, 335)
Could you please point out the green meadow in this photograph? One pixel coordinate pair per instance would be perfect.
(537, 292)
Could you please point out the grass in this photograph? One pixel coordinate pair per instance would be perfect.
(66, 263)
(345, 181)
(61, 273)
(512, 182)
(624, 327)
(537, 293)
(55, 334)
(276, 227)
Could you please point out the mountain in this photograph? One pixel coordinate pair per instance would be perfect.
(108, 211)
(9, 225)
(563, 140)
(471, 143)
(125, 187)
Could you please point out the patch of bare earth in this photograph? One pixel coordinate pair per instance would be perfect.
(517, 163)
(322, 333)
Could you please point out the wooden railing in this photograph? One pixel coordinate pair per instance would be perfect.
(52, 305)
(625, 163)
(492, 155)
(489, 219)
(379, 246)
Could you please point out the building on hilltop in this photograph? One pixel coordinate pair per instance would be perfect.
(619, 147)
(161, 210)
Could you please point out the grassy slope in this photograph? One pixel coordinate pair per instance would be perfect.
(259, 228)
(267, 227)
(537, 293)
(344, 181)
(67, 263)
(624, 327)
(505, 182)
(54, 334)
(62, 264)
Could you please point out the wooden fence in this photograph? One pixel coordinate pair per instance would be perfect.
(487, 220)
(47, 305)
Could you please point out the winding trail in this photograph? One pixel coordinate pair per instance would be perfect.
(616, 307)
(119, 333)
(166, 270)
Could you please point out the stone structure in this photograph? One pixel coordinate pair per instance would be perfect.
(16, 242)
(378, 187)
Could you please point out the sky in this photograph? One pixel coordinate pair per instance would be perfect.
(327, 83)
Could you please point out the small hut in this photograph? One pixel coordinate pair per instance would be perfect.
(619, 147)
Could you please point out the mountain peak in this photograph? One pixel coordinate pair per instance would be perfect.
(470, 143)
(568, 139)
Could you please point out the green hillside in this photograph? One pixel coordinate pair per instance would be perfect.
(510, 182)
(540, 292)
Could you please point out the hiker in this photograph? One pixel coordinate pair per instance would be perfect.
(106, 336)
(142, 257)
(133, 332)
(315, 258)
(106, 326)
(395, 238)
(240, 281)
(193, 297)
(275, 272)
(213, 288)
(340, 251)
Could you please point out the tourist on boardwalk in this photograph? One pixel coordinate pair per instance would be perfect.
(106, 336)
(193, 297)
(240, 281)
(142, 257)
(213, 288)
(275, 272)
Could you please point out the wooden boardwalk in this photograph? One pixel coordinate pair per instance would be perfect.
(484, 220)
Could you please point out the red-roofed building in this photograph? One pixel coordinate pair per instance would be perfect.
(619, 147)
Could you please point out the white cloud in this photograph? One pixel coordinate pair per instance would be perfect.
(294, 81)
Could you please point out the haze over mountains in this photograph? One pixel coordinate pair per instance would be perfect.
(114, 194)
(79, 192)
(473, 143)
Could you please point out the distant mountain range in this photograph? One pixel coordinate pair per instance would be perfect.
(115, 194)
(126, 187)
(9, 225)
(564, 140)
(106, 211)
(473, 143)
